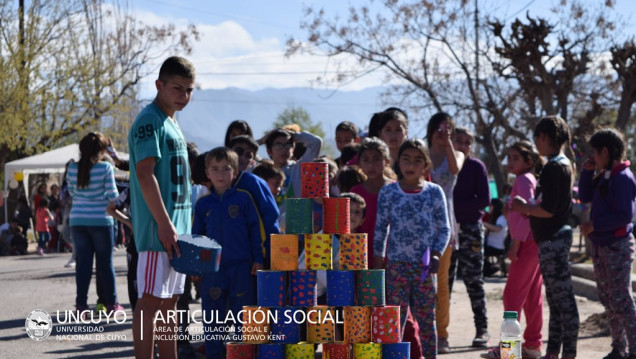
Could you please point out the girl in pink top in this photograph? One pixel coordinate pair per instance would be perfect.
(523, 287)
(42, 217)
(373, 159)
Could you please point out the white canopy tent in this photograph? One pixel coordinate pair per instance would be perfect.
(48, 162)
(53, 161)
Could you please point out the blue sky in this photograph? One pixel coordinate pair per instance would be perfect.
(244, 41)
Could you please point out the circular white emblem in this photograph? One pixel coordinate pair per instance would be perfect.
(38, 324)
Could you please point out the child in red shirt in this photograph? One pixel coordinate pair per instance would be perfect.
(42, 218)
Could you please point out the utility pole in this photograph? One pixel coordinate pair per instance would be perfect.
(22, 57)
(477, 53)
(23, 76)
(21, 33)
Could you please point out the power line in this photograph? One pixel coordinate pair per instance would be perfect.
(284, 102)
(520, 10)
(214, 73)
(265, 60)
(270, 102)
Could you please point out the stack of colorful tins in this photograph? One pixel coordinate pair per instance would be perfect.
(355, 322)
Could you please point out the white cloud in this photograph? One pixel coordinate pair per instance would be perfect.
(229, 39)
(261, 69)
(227, 55)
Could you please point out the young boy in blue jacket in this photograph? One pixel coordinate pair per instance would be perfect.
(245, 147)
(229, 216)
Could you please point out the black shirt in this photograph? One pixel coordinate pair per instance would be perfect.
(554, 195)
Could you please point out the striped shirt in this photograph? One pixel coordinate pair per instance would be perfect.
(89, 203)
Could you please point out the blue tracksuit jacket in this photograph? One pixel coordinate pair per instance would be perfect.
(232, 220)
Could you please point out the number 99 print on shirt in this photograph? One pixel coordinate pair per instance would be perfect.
(154, 134)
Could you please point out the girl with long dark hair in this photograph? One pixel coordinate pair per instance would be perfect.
(91, 182)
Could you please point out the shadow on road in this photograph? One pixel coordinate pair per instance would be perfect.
(467, 349)
(86, 350)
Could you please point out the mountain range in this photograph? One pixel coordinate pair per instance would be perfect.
(205, 119)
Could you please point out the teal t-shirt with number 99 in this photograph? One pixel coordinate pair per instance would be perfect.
(155, 134)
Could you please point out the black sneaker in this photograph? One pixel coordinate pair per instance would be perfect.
(481, 339)
(490, 271)
(615, 354)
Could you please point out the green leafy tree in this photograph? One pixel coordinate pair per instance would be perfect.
(299, 116)
(69, 67)
(296, 115)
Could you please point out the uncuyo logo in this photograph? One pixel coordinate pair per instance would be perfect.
(38, 325)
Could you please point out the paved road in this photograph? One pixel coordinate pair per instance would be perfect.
(32, 282)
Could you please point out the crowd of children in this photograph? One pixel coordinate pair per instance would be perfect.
(421, 202)
(422, 206)
(45, 211)
(443, 191)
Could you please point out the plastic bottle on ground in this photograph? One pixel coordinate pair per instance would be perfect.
(510, 344)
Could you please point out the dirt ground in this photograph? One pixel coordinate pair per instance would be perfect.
(32, 282)
(594, 340)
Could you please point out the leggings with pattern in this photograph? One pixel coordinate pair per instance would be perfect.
(554, 256)
(406, 288)
(613, 267)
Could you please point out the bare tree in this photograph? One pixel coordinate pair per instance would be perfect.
(433, 54)
(624, 63)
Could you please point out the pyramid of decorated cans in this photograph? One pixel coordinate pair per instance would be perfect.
(355, 295)
(299, 228)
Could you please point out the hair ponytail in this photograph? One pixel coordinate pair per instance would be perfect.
(529, 154)
(90, 148)
(557, 130)
(614, 142)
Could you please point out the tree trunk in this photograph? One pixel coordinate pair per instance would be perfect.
(492, 161)
(4, 155)
(625, 109)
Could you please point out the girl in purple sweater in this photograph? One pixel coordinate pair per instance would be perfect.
(612, 193)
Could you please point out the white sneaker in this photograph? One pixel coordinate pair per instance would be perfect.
(442, 346)
(70, 263)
